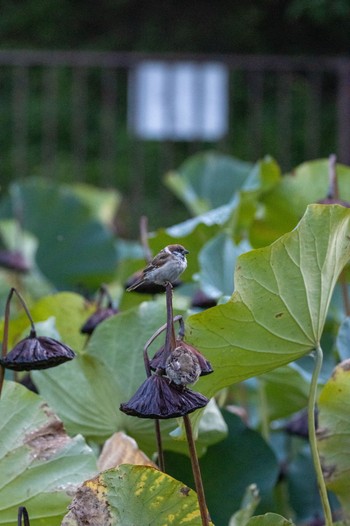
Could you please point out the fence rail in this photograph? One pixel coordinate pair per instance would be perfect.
(65, 114)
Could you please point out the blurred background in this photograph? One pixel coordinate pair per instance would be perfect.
(119, 93)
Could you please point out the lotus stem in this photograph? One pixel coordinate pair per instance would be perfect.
(312, 437)
(170, 339)
(196, 472)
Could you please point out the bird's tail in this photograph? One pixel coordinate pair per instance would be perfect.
(134, 285)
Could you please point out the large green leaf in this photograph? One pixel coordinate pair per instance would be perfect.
(40, 465)
(75, 248)
(134, 495)
(334, 433)
(278, 310)
(207, 180)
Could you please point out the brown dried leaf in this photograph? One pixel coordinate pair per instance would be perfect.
(121, 449)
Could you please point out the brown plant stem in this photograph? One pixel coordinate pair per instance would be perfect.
(196, 472)
(170, 339)
(6, 329)
(160, 451)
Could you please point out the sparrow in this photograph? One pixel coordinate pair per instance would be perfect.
(182, 367)
(164, 268)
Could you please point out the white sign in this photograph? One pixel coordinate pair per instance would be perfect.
(179, 101)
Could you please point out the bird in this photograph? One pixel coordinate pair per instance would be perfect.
(164, 268)
(182, 366)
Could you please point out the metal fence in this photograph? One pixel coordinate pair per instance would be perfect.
(65, 115)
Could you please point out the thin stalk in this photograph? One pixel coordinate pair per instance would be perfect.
(170, 338)
(163, 328)
(5, 337)
(312, 437)
(6, 329)
(160, 451)
(22, 512)
(196, 472)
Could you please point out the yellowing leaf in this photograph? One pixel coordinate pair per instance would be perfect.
(134, 495)
(334, 432)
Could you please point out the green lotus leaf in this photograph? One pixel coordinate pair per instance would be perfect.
(207, 180)
(40, 466)
(277, 313)
(75, 248)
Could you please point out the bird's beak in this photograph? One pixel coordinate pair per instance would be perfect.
(186, 251)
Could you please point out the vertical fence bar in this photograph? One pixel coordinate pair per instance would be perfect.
(255, 113)
(20, 98)
(313, 116)
(284, 119)
(49, 120)
(343, 115)
(108, 126)
(79, 122)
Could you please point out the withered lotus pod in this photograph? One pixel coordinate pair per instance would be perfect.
(37, 352)
(96, 318)
(159, 398)
(13, 260)
(159, 360)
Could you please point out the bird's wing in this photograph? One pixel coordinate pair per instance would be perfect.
(157, 261)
